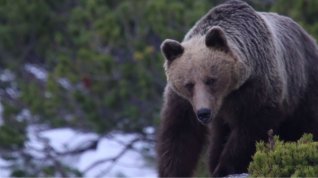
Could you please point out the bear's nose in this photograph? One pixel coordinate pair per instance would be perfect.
(204, 115)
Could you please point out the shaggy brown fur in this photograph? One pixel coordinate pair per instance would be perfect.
(237, 74)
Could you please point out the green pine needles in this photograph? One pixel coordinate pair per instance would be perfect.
(285, 159)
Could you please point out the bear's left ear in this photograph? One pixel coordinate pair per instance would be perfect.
(171, 49)
(216, 38)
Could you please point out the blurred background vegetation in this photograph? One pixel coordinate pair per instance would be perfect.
(94, 65)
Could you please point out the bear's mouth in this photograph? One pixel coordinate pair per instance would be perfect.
(204, 120)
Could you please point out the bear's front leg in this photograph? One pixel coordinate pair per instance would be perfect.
(217, 136)
(238, 151)
(180, 138)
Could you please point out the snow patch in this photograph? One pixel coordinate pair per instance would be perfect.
(3, 171)
(65, 83)
(13, 92)
(130, 164)
(243, 175)
(25, 114)
(37, 71)
(149, 130)
(7, 76)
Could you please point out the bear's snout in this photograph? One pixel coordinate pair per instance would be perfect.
(204, 115)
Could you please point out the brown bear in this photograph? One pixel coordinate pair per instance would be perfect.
(237, 74)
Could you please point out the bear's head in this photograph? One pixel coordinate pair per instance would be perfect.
(204, 70)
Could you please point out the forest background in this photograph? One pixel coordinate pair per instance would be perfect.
(93, 67)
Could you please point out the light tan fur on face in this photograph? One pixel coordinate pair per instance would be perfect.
(198, 64)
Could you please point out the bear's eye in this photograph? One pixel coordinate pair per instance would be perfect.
(189, 86)
(210, 81)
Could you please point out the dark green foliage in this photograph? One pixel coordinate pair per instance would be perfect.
(12, 138)
(202, 169)
(304, 12)
(286, 159)
(103, 64)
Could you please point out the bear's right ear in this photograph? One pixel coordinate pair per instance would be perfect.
(171, 49)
